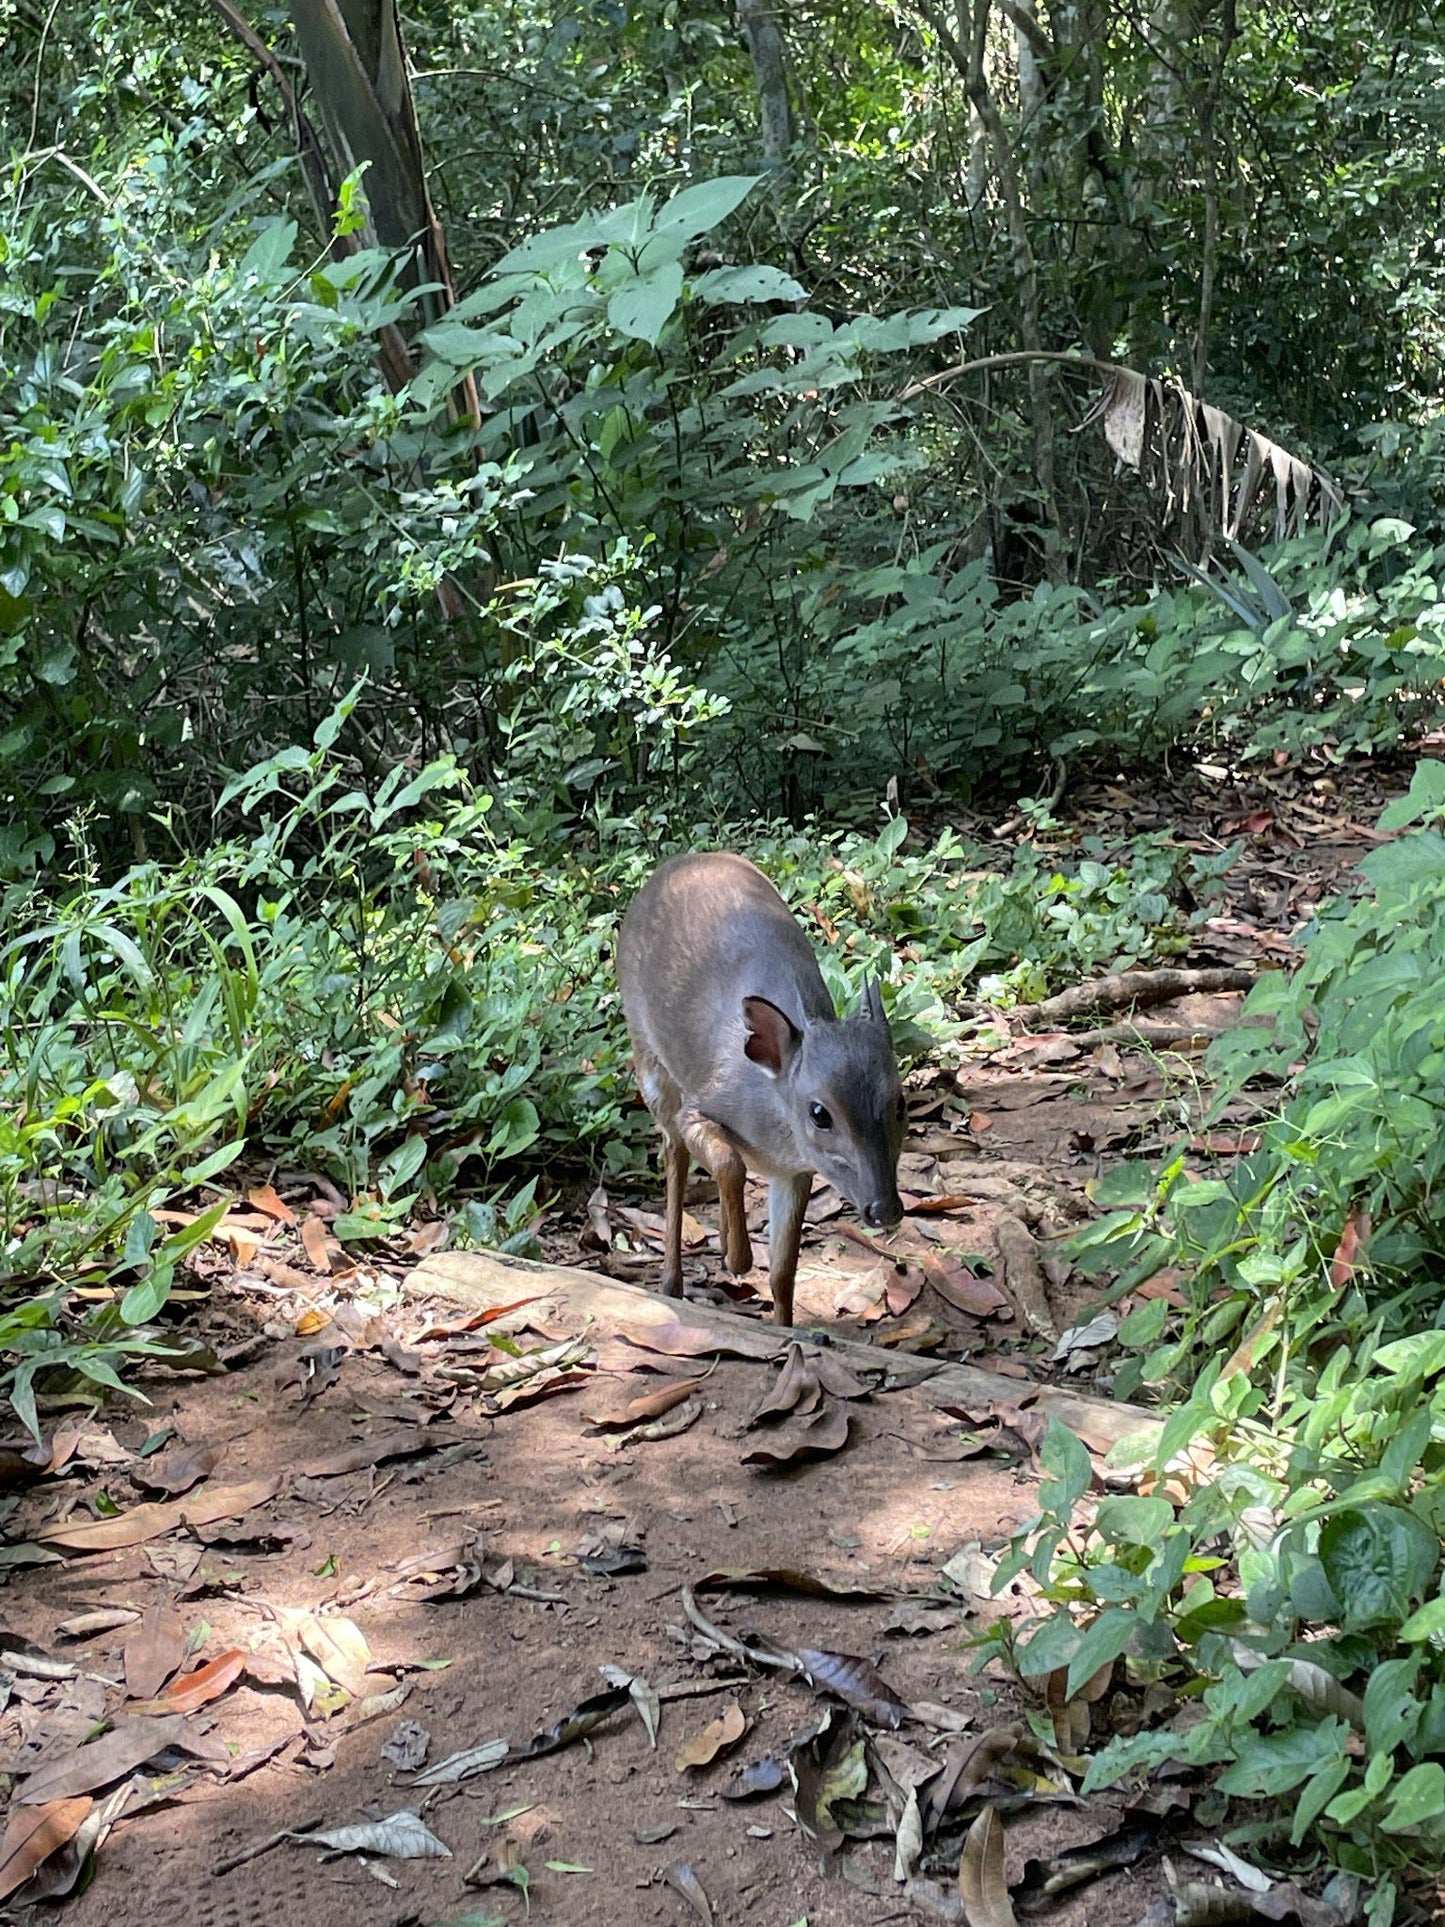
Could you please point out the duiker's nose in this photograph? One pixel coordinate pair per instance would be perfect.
(881, 1213)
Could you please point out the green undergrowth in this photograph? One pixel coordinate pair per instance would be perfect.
(1292, 1588)
(407, 986)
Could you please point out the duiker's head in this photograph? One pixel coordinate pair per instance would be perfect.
(839, 1087)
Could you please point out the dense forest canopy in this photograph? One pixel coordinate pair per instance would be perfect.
(729, 529)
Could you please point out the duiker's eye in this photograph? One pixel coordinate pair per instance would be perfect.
(821, 1116)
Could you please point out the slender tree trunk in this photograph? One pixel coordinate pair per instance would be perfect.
(969, 61)
(1209, 242)
(769, 55)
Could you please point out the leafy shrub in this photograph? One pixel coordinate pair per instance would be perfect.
(1298, 1581)
(391, 982)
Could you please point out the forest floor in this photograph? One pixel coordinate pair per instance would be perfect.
(409, 1574)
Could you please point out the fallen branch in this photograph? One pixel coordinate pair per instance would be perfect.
(562, 1298)
(1140, 1034)
(1131, 988)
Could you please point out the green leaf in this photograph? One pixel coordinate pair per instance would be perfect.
(269, 252)
(699, 208)
(643, 307)
(1420, 1796)
(1378, 1560)
(1316, 1796)
(1427, 1623)
(1070, 1472)
(1101, 1644)
(145, 1300)
(756, 283)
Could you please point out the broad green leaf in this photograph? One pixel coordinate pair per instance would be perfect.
(701, 207)
(643, 307)
(756, 283)
(1419, 1796)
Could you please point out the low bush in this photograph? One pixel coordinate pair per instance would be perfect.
(1291, 1586)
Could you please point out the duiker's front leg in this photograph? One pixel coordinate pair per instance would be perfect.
(787, 1201)
(715, 1151)
(674, 1158)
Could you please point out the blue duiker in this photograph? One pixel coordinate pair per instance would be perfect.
(745, 1065)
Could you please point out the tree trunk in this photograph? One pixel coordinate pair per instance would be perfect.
(969, 61)
(356, 63)
(769, 55)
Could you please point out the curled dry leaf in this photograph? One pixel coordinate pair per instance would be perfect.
(667, 1427)
(376, 1706)
(1061, 1872)
(675, 1340)
(465, 1765)
(406, 1746)
(584, 1718)
(34, 1833)
(339, 1648)
(402, 1836)
(815, 1585)
(857, 1682)
(105, 1619)
(151, 1521)
(981, 1885)
(637, 1411)
(908, 1840)
(802, 1440)
(968, 1763)
(715, 1738)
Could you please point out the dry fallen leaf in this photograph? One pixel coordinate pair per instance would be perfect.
(316, 1242)
(176, 1472)
(402, 1836)
(36, 1832)
(105, 1619)
(339, 1647)
(119, 1751)
(153, 1651)
(715, 1738)
(683, 1880)
(648, 1405)
(150, 1521)
(980, 1874)
(816, 1585)
(802, 1439)
(198, 1688)
(263, 1198)
(406, 1748)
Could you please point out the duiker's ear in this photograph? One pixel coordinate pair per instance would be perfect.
(870, 1003)
(772, 1037)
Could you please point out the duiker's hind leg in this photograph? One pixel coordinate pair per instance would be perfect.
(662, 1097)
(675, 1163)
(715, 1151)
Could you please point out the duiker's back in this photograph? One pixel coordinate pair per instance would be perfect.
(703, 933)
